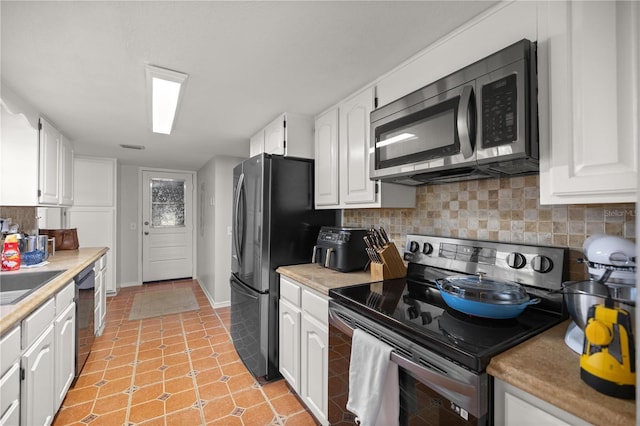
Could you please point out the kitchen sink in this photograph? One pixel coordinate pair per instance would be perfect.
(15, 287)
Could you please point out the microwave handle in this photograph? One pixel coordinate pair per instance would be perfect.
(462, 122)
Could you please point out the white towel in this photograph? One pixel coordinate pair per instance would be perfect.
(373, 382)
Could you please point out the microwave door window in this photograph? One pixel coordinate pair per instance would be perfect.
(426, 134)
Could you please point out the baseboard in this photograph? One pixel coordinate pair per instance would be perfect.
(212, 302)
(131, 284)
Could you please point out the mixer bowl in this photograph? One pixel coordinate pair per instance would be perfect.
(579, 296)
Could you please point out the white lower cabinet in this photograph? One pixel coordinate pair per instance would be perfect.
(314, 356)
(100, 312)
(513, 406)
(10, 378)
(65, 354)
(38, 362)
(289, 343)
(304, 343)
(37, 399)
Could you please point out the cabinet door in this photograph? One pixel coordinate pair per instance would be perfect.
(18, 179)
(10, 396)
(65, 352)
(275, 136)
(588, 66)
(256, 144)
(326, 159)
(355, 185)
(315, 362)
(100, 303)
(289, 343)
(95, 182)
(49, 164)
(514, 406)
(37, 390)
(66, 172)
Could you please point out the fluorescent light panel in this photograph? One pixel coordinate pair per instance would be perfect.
(164, 90)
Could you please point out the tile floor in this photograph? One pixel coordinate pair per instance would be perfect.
(179, 369)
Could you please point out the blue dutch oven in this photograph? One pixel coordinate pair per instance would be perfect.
(482, 297)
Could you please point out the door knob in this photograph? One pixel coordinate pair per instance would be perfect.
(146, 233)
(146, 222)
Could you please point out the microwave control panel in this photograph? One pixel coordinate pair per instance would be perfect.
(500, 112)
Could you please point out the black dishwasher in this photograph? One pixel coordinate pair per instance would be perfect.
(85, 306)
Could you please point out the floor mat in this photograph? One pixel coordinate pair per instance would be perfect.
(163, 302)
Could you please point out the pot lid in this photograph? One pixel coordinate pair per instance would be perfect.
(482, 289)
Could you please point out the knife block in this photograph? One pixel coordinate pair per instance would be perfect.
(392, 265)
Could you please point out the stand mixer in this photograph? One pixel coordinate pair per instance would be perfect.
(603, 313)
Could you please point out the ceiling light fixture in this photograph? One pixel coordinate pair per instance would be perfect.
(164, 94)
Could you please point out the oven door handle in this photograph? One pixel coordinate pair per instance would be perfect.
(464, 121)
(424, 374)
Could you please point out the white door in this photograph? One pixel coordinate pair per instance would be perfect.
(167, 225)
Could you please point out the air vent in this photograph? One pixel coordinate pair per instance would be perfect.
(138, 147)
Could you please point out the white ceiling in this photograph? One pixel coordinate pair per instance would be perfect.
(81, 63)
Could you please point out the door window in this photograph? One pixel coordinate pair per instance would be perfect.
(167, 202)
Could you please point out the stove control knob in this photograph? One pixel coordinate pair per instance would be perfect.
(412, 312)
(427, 248)
(414, 246)
(541, 264)
(516, 260)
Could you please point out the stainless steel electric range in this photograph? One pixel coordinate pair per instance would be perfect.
(441, 352)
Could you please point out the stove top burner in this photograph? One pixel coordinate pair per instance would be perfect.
(418, 312)
(414, 308)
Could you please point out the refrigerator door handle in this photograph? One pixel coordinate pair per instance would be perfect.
(237, 238)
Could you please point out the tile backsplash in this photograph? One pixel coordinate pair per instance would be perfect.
(24, 217)
(504, 209)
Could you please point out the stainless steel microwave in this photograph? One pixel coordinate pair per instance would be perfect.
(479, 122)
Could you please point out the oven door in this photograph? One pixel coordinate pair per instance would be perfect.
(432, 391)
(432, 134)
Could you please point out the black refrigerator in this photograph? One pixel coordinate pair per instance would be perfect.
(274, 224)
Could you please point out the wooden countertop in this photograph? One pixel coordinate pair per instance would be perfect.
(323, 279)
(71, 261)
(545, 367)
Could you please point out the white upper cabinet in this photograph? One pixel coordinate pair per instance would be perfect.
(356, 186)
(256, 143)
(55, 166)
(36, 165)
(342, 160)
(18, 159)
(66, 172)
(274, 136)
(289, 134)
(588, 71)
(326, 162)
(49, 176)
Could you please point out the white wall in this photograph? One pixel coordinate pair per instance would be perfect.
(214, 201)
(128, 261)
